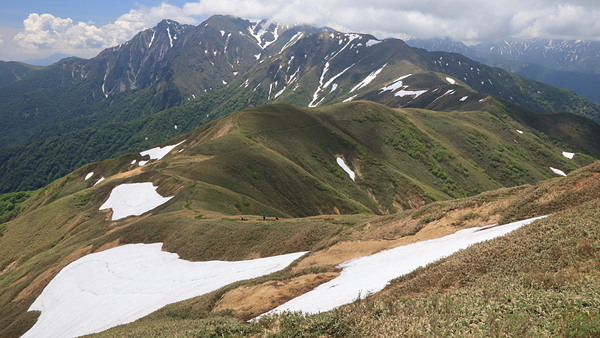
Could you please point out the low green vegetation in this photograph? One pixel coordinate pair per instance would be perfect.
(280, 161)
(10, 205)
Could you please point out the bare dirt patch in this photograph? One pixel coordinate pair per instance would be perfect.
(250, 301)
(377, 237)
(9, 267)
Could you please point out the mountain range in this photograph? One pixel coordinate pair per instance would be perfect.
(76, 111)
(197, 177)
(569, 64)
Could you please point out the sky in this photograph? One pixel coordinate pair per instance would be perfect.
(35, 29)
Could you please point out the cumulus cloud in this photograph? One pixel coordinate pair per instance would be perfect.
(465, 20)
(49, 32)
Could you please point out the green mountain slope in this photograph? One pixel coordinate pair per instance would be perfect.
(14, 71)
(77, 111)
(274, 160)
(539, 280)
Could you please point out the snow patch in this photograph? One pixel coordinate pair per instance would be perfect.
(568, 155)
(170, 38)
(519, 131)
(280, 92)
(88, 176)
(292, 41)
(133, 199)
(450, 80)
(122, 284)
(100, 180)
(416, 93)
(366, 275)
(350, 98)
(341, 163)
(372, 43)
(319, 88)
(396, 85)
(558, 171)
(449, 92)
(158, 152)
(152, 39)
(462, 99)
(260, 34)
(368, 79)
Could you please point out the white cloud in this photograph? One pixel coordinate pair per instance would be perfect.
(52, 33)
(465, 20)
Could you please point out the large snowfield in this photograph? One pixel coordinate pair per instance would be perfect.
(133, 199)
(120, 285)
(366, 275)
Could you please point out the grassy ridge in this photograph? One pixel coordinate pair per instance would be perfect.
(541, 280)
(280, 161)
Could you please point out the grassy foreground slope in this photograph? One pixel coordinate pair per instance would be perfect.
(541, 280)
(281, 161)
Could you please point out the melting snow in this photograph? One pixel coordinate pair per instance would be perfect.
(292, 41)
(349, 171)
(319, 88)
(152, 39)
(133, 199)
(450, 80)
(170, 38)
(368, 79)
(259, 36)
(327, 84)
(88, 176)
(351, 37)
(158, 152)
(100, 180)
(363, 276)
(558, 171)
(568, 155)
(350, 98)
(280, 92)
(449, 92)
(372, 43)
(123, 284)
(416, 93)
(396, 85)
